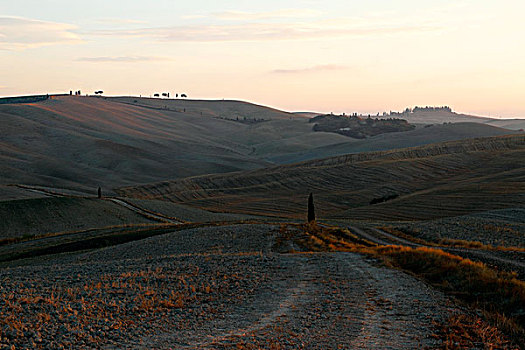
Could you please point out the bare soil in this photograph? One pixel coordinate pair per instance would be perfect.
(215, 288)
(498, 228)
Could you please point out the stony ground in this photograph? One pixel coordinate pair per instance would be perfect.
(225, 287)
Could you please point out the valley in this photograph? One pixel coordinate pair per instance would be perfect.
(199, 239)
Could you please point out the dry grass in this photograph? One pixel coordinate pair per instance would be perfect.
(110, 303)
(460, 243)
(501, 229)
(330, 238)
(500, 294)
(408, 237)
(468, 332)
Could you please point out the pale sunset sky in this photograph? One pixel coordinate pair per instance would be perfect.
(297, 55)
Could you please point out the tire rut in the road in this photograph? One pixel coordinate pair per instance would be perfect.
(293, 295)
(335, 299)
(141, 211)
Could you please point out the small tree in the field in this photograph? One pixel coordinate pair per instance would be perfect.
(99, 192)
(311, 208)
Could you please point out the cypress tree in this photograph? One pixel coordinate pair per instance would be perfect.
(99, 192)
(311, 208)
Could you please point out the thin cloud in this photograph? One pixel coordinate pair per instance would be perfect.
(250, 16)
(318, 68)
(122, 59)
(18, 33)
(263, 31)
(194, 16)
(119, 21)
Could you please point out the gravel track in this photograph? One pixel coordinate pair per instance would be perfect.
(217, 288)
(143, 212)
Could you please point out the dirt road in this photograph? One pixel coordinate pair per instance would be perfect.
(133, 207)
(217, 287)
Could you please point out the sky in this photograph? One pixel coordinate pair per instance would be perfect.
(296, 55)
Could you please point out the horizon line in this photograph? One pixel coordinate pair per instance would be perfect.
(371, 114)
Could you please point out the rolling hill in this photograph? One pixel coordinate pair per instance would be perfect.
(512, 124)
(444, 179)
(80, 143)
(85, 142)
(205, 256)
(429, 134)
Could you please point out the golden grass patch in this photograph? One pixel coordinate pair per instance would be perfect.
(501, 295)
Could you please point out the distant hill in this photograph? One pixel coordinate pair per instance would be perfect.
(86, 142)
(440, 115)
(80, 143)
(423, 135)
(444, 179)
(307, 114)
(23, 99)
(512, 124)
(436, 115)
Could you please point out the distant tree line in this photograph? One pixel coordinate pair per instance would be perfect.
(167, 95)
(358, 127)
(417, 109)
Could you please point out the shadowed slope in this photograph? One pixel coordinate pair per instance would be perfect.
(419, 137)
(85, 142)
(435, 180)
(44, 215)
(74, 141)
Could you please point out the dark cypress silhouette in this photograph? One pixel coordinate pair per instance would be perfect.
(311, 208)
(99, 192)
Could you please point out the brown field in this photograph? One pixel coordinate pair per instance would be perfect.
(81, 143)
(204, 247)
(446, 179)
(45, 215)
